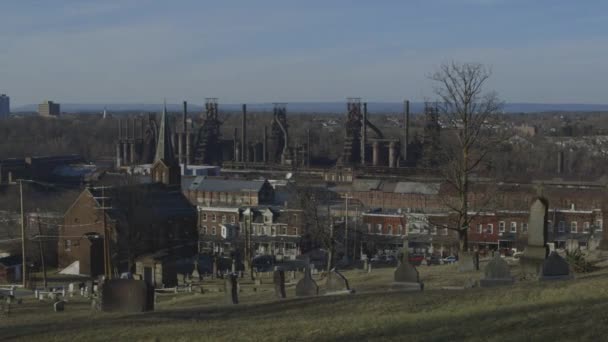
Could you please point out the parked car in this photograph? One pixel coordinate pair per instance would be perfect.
(416, 259)
(263, 263)
(450, 259)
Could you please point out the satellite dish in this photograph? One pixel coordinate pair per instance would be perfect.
(288, 175)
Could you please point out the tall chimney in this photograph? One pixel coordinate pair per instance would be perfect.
(265, 146)
(406, 132)
(363, 133)
(244, 136)
(236, 146)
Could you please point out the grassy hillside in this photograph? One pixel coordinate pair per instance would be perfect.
(569, 310)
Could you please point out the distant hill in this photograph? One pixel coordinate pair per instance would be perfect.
(310, 107)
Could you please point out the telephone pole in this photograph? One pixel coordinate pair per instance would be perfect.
(23, 262)
(346, 198)
(107, 260)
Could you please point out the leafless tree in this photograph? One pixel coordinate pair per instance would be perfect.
(468, 117)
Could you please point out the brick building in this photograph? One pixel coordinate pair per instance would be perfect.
(138, 219)
(229, 192)
(273, 231)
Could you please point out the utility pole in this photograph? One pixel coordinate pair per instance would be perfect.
(107, 261)
(346, 198)
(23, 261)
(41, 253)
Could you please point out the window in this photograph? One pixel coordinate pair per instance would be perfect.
(501, 229)
(284, 230)
(213, 230)
(513, 228)
(204, 216)
(550, 226)
(233, 219)
(213, 218)
(68, 245)
(400, 229)
(266, 219)
(204, 230)
(598, 225)
(561, 227)
(490, 228)
(223, 218)
(390, 229)
(273, 231)
(379, 227)
(501, 226)
(524, 228)
(479, 228)
(573, 227)
(586, 227)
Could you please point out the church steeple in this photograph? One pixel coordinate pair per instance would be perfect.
(164, 149)
(165, 169)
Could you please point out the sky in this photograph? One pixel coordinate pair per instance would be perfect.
(142, 51)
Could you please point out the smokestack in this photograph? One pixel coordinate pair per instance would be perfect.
(406, 126)
(265, 146)
(236, 146)
(244, 135)
(363, 133)
(308, 147)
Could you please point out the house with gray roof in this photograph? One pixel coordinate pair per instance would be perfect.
(229, 192)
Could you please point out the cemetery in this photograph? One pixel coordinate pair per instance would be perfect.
(277, 307)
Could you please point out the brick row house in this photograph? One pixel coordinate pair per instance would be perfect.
(212, 192)
(509, 228)
(386, 231)
(274, 230)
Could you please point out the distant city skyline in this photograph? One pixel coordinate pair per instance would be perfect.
(128, 51)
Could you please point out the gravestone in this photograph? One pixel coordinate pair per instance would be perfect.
(231, 288)
(126, 295)
(59, 306)
(466, 262)
(279, 283)
(406, 275)
(336, 283)
(365, 262)
(307, 286)
(496, 273)
(555, 268)
(535, 251)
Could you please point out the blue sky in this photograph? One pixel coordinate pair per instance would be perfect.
(136, 51)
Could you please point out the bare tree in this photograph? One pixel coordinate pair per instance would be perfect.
(468, 114)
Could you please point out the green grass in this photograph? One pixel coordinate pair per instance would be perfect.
(568, 310)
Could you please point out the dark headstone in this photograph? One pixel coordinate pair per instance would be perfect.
(231, 288)
(336, 282)
(59, 306)
(127, 295)
(496, 273)
(406, 272)
(307, 286)
(555, 268)
(279, 283)
(406, 277)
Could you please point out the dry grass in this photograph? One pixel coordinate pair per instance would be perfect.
(572, 310)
